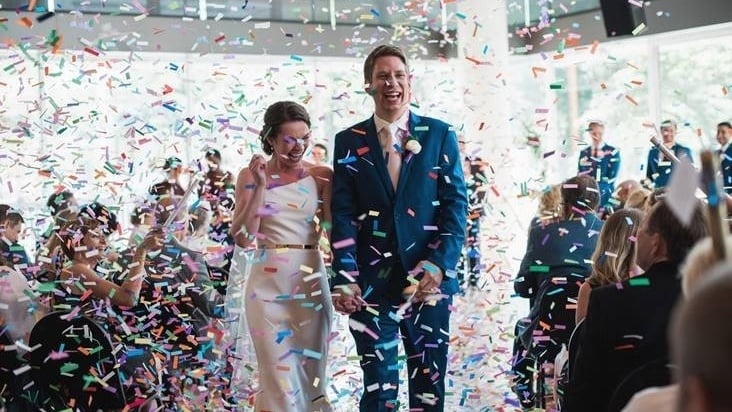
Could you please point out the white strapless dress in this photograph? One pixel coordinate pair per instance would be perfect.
(287, 303)
(240, 349)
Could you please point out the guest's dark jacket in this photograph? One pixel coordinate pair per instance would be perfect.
(15, 254)
(556, 262)
(626, 327)
(166, 187)
(603, 169)
(726, 167)
(658, 170)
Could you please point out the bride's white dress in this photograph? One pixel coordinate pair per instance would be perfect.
(238, 342)
(287, 303)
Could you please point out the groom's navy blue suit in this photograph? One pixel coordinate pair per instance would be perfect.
(380, 234)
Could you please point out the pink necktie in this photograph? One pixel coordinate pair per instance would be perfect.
(393, 157)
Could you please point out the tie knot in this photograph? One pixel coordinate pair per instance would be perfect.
(391, 135)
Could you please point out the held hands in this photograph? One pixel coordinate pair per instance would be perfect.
(429, 285)
(258, 166)
(347, 298)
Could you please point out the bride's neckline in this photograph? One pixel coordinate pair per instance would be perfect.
(274, 184)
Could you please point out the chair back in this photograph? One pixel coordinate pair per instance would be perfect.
(75, 359)
(652, 374)
(565, 374)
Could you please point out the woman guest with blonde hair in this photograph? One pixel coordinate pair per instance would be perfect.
(639, 199)
(614, 257)
(550, 206)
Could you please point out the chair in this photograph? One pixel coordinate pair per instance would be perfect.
(11, 386)
(75, 360)
(566, 370)
(651, 374)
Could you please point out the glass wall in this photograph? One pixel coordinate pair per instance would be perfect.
(631, 86)
(695, 79)
(103, 125)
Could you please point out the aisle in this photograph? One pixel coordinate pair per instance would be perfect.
(481, 328)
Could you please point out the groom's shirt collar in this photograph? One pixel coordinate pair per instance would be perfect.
(400, 123)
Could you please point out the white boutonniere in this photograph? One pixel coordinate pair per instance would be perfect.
(413, 145)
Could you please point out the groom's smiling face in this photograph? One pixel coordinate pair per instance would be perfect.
(390, 87)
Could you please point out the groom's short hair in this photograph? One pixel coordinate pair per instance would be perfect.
(381, 51)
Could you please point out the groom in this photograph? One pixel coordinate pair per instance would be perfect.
(399, 218)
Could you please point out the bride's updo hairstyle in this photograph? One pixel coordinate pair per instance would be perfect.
(276, 115)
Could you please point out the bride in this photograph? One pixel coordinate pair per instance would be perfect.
(281, 205)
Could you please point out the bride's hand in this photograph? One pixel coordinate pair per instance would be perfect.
(258, 166)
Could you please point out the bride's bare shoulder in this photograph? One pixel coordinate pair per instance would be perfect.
(322, 172)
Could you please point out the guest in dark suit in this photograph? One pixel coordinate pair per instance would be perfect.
(658, 167)
(399, 217)
(724, 134)
(556, 262)
(626, 323)
(11, 232)
(475, 184)
(601, 162)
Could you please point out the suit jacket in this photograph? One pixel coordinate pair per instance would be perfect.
(15, 254)
(726, 167)
(659, 174)
(555, 264)
(626, 327)
(604, 170)
(378, 233)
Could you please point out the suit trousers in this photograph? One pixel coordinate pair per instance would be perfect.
(425, 333)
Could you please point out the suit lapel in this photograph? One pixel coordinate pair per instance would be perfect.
(727, 155)
(414, 121)
(372, 140)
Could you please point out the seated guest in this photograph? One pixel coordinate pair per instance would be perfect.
(19, 304)
(60, 202)
(550, 206)
(555, 264)
(62, 205)
(614, 257)
(83, 289)
(639, 199)
(19, 310)
(693, 271)
(624, 190)
(626, 323)
(11, 250)
(701, 338)
(179, 290)
(173, 168)
(107, 222)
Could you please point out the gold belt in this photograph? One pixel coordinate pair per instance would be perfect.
(287, 247)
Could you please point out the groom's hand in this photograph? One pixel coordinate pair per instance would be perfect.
(347, 298)
(431, 279)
